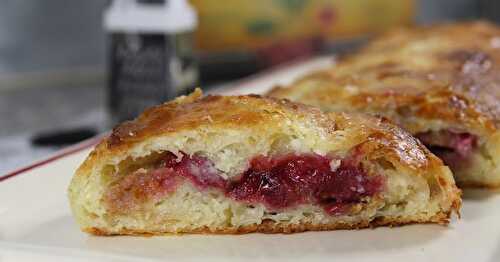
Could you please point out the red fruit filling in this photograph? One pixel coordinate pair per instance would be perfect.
(143, 185)
(454, 148)
(277, 182)
(289, 180)
(199, 170)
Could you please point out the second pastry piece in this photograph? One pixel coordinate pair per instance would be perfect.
(441, 83)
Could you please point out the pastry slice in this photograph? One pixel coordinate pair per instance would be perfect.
(441, 83)
(250, 164)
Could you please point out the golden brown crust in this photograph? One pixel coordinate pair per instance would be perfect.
(216, 111)
(259, 113)
(449, 72)
(272, 227)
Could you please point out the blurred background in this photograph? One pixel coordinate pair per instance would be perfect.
(73, 69)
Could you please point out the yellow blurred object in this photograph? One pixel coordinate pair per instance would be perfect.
(252, 24)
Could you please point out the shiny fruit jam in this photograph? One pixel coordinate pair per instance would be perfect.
(276, 182)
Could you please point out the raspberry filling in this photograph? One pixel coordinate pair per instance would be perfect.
(454, 148)
(290, 180)
(276, 182)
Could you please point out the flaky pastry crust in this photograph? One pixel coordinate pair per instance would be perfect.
(260, 116)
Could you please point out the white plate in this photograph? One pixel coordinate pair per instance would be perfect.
(36, 224)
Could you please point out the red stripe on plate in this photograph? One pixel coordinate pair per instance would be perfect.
(60, 154)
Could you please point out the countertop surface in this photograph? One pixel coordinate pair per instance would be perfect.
(25, 113)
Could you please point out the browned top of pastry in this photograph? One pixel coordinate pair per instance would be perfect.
(218, 112)
(449, 72)
(258, 114)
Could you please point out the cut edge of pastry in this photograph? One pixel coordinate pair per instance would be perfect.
(417, 189)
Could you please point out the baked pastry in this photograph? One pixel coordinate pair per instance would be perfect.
(441, 83)
(251, 164)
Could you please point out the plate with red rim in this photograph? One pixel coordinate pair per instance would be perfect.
(36, 223)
